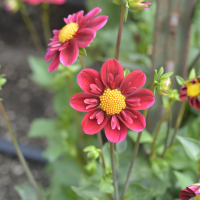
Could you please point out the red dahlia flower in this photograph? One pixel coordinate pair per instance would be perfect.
(190, 191)
(112, 101)
(191, 90)
(36, 2)
(78, 32)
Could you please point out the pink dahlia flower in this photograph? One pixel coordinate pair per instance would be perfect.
(112, 101)
(78, 32)
(36, 2)
(190, 191)
(191, 90)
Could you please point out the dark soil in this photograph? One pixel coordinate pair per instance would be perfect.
(23, 100)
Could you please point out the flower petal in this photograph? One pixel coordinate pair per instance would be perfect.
(97, 23)
(140, 100)
(84, 102)
(133, 119)
(69, 55)
(132, 82)
(84, 37)
(183, 93)
(115, 133)
(94, 121)
(90, 82)
(49, 55)
(54, 63)
(91, 14)
(112, 74)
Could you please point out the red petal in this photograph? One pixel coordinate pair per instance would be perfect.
(115, 135)
(90, 82)
(49, 55)
(140, 100)
(138, 120)
(197, 103)
(84, 37)
(133, 82)
(54, 63)
(69, 55)
(91, 14)
(97, 23)
(112, 74)
(80, 102)
(90, 125)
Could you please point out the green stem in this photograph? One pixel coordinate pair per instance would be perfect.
(100, 141)
(103, 162)
(120, 31)
(178, 121)
(198, 174)
(168, 130)
(45, 21)
(116, 195)
(31, 29)
(82, 62)
(156, 133)
(19, 153)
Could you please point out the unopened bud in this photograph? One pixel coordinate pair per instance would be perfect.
(138, 4)
(163, 87)
(92, 152)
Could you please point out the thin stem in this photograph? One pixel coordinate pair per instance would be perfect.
(120, 31)
(100, 141)
(45, 21)
(103, 162)
(194, 62)
(116, 195)
(31, 29)
(198, 174)
(168, 130)
(156, 133)
(178, 121)
(19, 153)
(82, 62)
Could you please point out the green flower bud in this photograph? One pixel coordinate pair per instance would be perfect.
(93, 152)
(173, 94)
(163, 87)
(138, 4)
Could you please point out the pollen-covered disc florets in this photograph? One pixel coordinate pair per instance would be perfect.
(112, 101)
(193, 89)
(67, 32)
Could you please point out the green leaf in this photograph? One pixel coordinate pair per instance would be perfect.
(43, 128)
(191, 147)
(145, 138)
(106, 186)
(136, 191)
(160, 72)
(26, 192)
(117, 2)
(180, 80)
(183, 179)
(122, 146)
(126, 72)
(192, 74)
(166, 75)
(83, 51)
(126, 11)
(155, 75)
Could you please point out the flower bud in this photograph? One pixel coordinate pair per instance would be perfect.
(163, 87)
(93, 152)
(11, 6)
(138, 4)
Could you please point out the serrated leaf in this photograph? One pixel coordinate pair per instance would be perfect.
(192, 74)
(180, 80)
(166, 75)
(160, 72)
(191, 147)
(183, 179)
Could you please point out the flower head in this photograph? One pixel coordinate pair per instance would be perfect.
(78, 32)
(190, 191)
(191, 90)
(36, 2)
(112, 101)
(139, 4)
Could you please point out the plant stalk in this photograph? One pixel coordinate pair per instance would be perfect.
(19, 153)
(32, 30)
(120, 31)
(156, 133)
(178, 121)
(116, 195)
(194, 62)
(82, 62)
(45, 21)
(99, 137)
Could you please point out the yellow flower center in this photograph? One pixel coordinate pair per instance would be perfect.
(193, 90)
(67, 32)
(112, 101)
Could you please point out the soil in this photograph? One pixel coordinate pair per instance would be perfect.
(23, 100)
